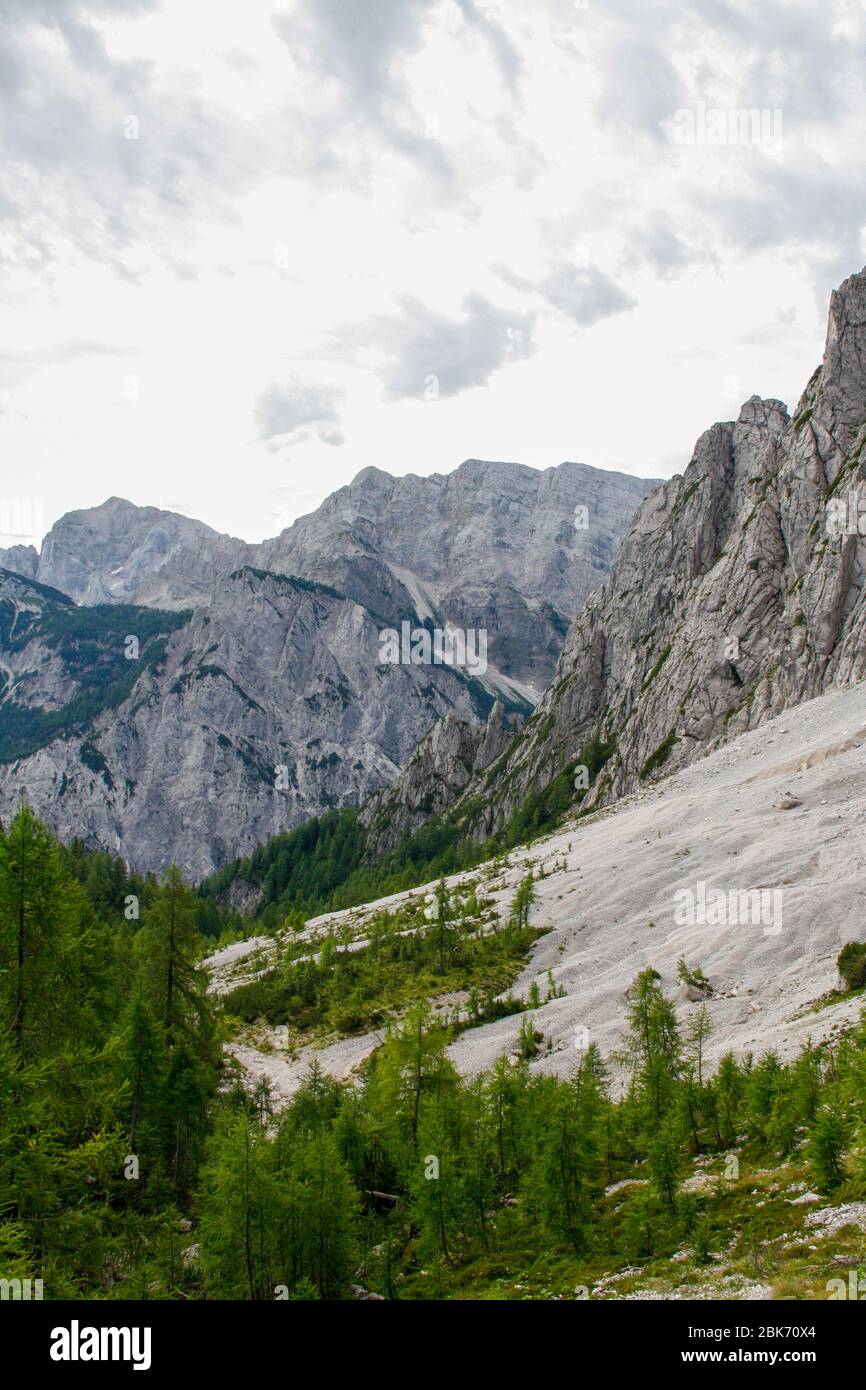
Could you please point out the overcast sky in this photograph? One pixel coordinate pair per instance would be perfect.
(250, 248)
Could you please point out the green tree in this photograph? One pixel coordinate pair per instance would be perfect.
(167, 948)
(654, 1044)
(46, 926)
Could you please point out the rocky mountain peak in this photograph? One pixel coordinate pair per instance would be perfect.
(739, 591)
(271, 702)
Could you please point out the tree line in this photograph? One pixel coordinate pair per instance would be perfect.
(134, 1163)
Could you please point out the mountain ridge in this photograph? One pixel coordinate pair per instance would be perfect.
(737, 593)
(273, 702)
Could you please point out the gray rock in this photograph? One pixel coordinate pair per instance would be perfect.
(732, 598)
(440, 768)
(267, 707)
(492, 545)
(20, 559)
(278, 664)
(120, 553)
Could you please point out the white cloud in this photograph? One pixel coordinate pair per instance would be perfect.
(329, 204)
(291, 412)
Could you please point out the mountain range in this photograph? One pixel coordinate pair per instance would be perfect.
(173, 694)
(633, 626)
(739, 592)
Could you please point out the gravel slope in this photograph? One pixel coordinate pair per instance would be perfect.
(609, 888)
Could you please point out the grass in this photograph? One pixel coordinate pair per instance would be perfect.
(660, 756)
(320, 988)
(836, 996)
(756, 1236)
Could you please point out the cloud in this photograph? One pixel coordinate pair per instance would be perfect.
(356, 54)
(789, 56)
(654, 243)
(359, 57)
(585, 294)
(503, 50)
(639, 85)
(808, 209)
(100, 155)
(58, 354)
(294, 411)
(428, 354)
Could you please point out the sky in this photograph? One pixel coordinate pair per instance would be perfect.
(247, 250)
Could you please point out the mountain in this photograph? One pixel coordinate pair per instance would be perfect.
(120, 553)
(737, 593)
(259, 698)
(437, 773)
(22, 559)
(491, 545)
(62, 667)
(262, 709)
(779, 809)
(497, 546)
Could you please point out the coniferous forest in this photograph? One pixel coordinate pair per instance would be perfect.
(134, 1164)
(432, 678)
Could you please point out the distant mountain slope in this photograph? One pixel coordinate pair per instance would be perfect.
(260, 696)
(120, 553)
(62, 666)
(491, 545)
(20, 559)
(233, 723)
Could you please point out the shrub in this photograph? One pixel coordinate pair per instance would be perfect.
(851, 963)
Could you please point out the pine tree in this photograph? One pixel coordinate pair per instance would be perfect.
(825, 1148)
(654, 1044)
(45, 921)
(167, 948)
(140, 1059)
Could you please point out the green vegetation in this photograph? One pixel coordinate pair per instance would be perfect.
(690, 491)
(414, 953)
(109, 1061)
(852, 964)
(294, 581)
(660, 756)
(127, 1171)
(89, 644)
(847, 468)
(656, 668)
(693, 978)
(324, 865)
(298, 871)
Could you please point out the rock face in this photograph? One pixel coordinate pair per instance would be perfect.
(22, 559)
(259, 711)
(492, 545)
(438, 772)
(738, 592)
(259, 697)
(120, 553)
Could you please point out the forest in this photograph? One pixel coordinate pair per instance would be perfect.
(134, 1163)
